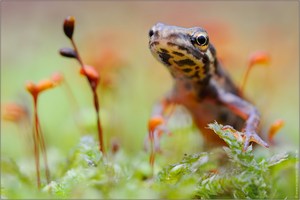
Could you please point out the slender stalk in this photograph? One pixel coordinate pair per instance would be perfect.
(44, 152)
(100, 134)
(39, 142)
(245, 78)
(77, 54)
(152, 152)
(95, 96)
(36, 142)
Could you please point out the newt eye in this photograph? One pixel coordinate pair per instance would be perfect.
(202, 40)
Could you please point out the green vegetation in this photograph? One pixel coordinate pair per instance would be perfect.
(222, 173)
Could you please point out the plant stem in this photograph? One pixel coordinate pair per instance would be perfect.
(100, 134)
(245, 77)
(152, 154)
(93, 87)
(44, 152)
(36, 141)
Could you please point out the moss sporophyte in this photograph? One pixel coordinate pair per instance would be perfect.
(88, 71)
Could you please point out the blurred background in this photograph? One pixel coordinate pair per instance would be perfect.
(113, 37)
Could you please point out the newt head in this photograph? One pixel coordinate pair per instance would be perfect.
(186, 52)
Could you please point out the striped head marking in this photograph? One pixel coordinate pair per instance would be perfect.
(186, 52)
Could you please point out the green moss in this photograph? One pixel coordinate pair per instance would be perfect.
(240, 175)
(222, 173)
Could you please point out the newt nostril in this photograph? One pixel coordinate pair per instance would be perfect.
(151, 32)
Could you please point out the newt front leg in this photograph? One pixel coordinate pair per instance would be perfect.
(243, 109)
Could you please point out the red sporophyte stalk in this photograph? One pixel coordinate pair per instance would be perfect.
(88, 71)
(257, 58)
(38, 138)
(155, 122)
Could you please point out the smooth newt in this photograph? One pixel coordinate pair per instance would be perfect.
(200, 84)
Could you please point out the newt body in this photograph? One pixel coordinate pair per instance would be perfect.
(200, 83)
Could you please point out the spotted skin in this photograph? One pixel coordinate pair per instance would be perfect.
(201, 83)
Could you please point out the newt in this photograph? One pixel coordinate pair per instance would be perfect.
(201, 85)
